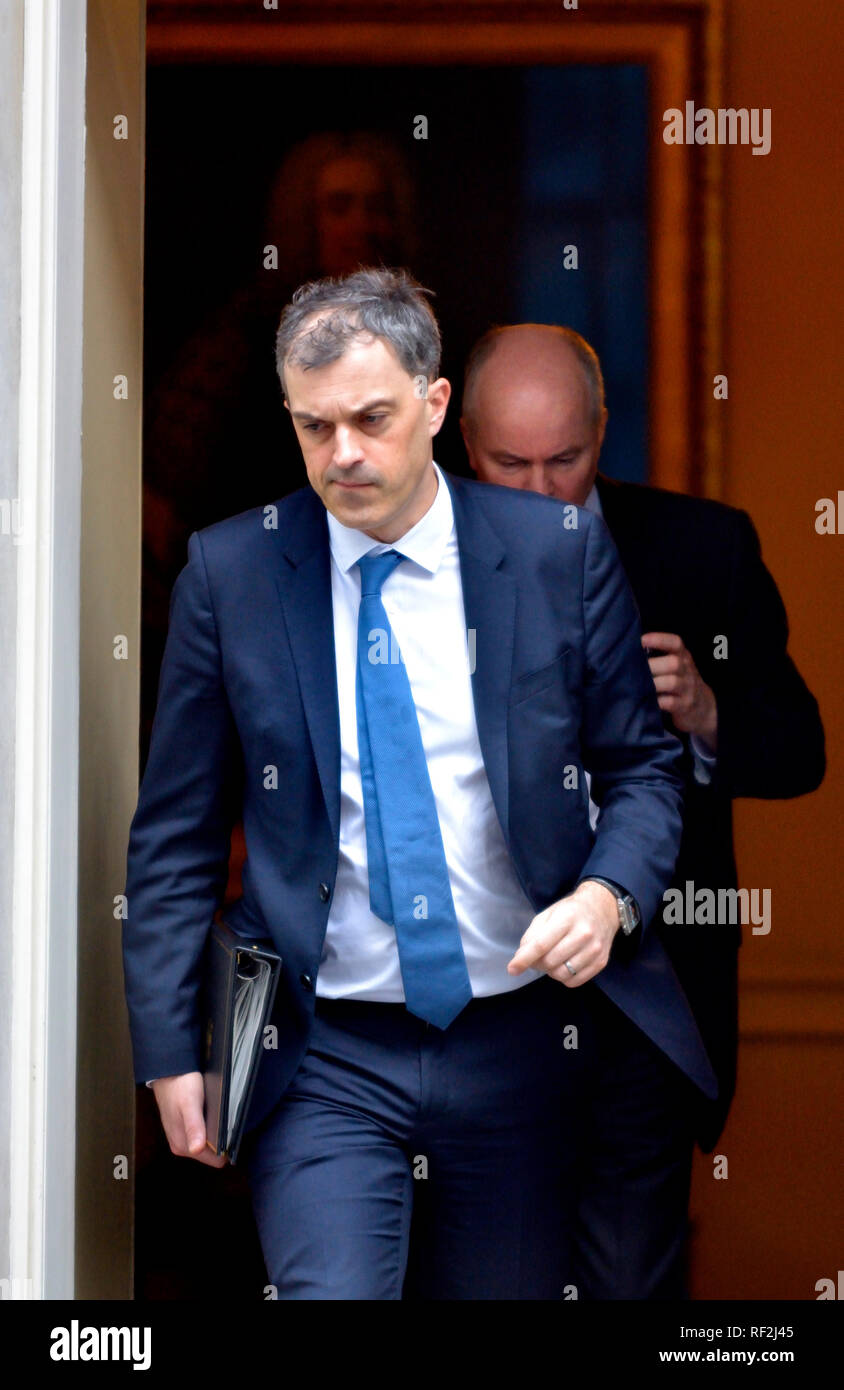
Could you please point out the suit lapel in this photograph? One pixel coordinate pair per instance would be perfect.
(642, 561)
(303, 579)
(611, 496)
(489, 601)
(644, 564)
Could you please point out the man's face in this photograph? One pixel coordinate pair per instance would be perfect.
(534, 433)
(354, 218)
(365, 428)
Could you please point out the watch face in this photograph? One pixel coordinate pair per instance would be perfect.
(628, 915)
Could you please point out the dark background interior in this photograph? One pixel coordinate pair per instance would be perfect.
(518, 163)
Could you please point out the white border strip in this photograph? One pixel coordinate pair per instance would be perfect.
(43, 1043)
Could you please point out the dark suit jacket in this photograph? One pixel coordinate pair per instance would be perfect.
(695, 569)
(248, 681)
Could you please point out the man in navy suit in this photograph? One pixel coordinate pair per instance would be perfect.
(716, 632)
(401, 681)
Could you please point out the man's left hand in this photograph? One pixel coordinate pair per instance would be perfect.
(681, 690)
(571, 939)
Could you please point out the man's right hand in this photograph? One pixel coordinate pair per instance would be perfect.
(181, 1105)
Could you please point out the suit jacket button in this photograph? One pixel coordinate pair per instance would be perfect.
(324, 892)
(306, 982)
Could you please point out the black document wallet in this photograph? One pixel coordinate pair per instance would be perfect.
(240, 982)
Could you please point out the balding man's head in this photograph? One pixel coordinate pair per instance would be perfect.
(533, 410)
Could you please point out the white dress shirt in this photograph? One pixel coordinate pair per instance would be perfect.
(702, 756)
(423, 600)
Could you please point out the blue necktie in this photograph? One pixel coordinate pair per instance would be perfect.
(408, 878)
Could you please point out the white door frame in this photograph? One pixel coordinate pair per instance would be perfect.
(44, 918)
(78, 599)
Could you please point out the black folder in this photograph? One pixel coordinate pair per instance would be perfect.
(240, 981)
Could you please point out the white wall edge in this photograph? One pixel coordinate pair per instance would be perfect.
(43, 1044)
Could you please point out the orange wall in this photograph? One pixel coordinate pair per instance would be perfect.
(774, 1227)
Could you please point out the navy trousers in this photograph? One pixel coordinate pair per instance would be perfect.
(637, 1143)
(481, 1117)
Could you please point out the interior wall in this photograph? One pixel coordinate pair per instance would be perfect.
(772, 1229)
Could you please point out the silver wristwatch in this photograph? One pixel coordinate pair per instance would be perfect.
(629, 915)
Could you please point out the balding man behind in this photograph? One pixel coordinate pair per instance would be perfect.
(716, 633)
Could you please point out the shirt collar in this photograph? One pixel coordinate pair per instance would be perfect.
(593, 502)
(424, 543)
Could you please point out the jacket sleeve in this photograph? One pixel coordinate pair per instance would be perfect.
(180, 835)
(634, 763)
(770, 735)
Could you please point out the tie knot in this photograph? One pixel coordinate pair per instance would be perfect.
(374, 569)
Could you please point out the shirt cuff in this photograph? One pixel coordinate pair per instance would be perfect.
(704, 760)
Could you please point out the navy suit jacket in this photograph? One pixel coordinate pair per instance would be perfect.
(248, 683)
(696, 568)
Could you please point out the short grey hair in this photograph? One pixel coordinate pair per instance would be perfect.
(386, 304)
(586, 355)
